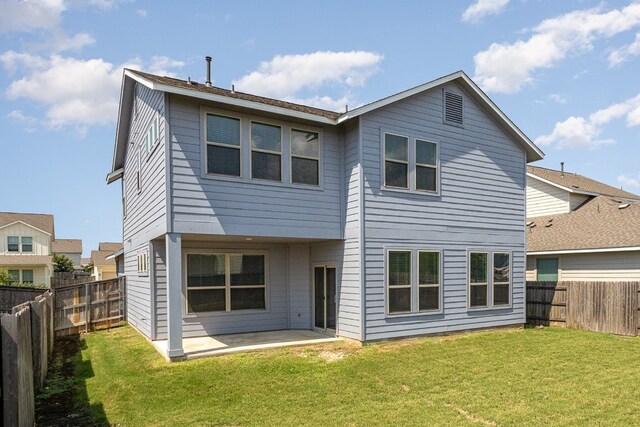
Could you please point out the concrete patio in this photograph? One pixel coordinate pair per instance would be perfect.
(239, 343)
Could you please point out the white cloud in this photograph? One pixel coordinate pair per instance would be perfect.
(621, 55)
(482, 8)
(629, 180)
(580, 132)
(30, 15)
(12, 60)
(507, 68)
(556, 97)
(142, 12)
(75, 91)
(285, 76)
(162, 64)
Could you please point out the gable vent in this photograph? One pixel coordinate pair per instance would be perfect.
(453, 108)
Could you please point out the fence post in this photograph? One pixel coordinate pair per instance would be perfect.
(87, 313)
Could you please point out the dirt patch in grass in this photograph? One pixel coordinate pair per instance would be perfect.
(59, 402)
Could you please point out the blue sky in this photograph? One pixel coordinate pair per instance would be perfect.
(566, 72)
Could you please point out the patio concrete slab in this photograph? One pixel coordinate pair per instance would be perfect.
(240, 343)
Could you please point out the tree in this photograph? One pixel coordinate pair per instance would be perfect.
(5, 277)
(87, 268)
(62, 263)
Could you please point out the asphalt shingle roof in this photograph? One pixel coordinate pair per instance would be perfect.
(42, 222)
(105, 249)
(201, 87)
(577, 182)
(602, 222)
(73, 246)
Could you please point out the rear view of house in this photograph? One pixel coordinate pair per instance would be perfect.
(242, 213)
(580, 229)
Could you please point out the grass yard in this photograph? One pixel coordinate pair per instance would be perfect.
(520, 377)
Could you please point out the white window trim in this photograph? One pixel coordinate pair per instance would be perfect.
(239, 147)
(415, 286)
(490, 305)
(21, 274)
(411, 165)
(227, 287)
(152, 135)
(494, 283)
(258, 150)
(245, 150)
(407, 162)
(22, 244)
(143, 263)
(139, 170)
(425, 165)
(438, 285)
(19, 240)
(318, 159)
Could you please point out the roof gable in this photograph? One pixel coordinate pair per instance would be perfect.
(41, 222)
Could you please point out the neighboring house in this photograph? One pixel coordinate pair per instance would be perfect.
(25, 246)
(241, 213)
(104, 267)
(580, 229)
(118, 258)
(71, 248)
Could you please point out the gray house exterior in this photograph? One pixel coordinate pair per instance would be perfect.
(403, 217)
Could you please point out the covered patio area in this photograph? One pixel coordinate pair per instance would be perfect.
(239, 343)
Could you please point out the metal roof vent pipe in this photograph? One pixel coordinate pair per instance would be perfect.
(561, 168)
(208, 82)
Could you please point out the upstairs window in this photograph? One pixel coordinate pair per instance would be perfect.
(426, 166)
(27, 244)
(13, 244)
(152, 135)
(266, 151)
(305, 157)
(223, 145)
(396, 161)
(143, 263)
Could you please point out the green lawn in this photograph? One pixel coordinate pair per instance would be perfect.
(519, 377)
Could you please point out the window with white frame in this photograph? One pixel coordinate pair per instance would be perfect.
(13, 243)
(27, 243)
(409, 294)
(27, 276)
(151, 137)
(20, 276)
(266, 151)
(222, 145)
(226, 282)
(396, 161)
(487, 290)
(406, 157)
(428, 281)
(305, 157)
(478, 279)
(426, 166)
(14, 276)
(143, 263)
(501, 278)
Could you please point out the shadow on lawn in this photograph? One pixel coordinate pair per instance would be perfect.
(63, 401)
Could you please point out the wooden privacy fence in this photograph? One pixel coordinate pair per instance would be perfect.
(61, 278)
(612, 307)
(89, 306)
(10, 296)
(26, 344)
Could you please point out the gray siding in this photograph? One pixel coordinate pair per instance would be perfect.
(145, 210)
(349, 301)
(242, 206)
(603, 266)
(288, 293)
(481, 206)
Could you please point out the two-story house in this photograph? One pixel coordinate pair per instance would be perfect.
(71, 248)
(242, 213)
(580, 229)
(25, 246)
(104, 265)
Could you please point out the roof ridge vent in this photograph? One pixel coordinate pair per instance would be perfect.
(624, 205)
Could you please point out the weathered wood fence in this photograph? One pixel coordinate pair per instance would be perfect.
(10, 296)
(25, 345)
(89, 306)
(60, 278)
(612, 307)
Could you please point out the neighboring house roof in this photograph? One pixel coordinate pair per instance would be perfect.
(274, 106)
(43, 222)
(71, 246)
(602, 223)
(575, 183)
(109, 246)
(101, 257)
(85, 261)
(24, 259)
(116, 254)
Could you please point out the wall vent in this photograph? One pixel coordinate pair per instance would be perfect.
(453, 108)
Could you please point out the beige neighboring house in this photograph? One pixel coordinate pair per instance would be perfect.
(71, 248)
(580, 229)
(104, 266)
(25, 246)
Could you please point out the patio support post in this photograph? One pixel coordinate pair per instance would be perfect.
(174, 295)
